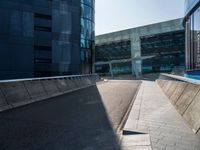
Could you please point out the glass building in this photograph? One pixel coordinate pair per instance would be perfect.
(118, 50)
(45, 37)
(168, 49)
(87, 35)
(192, 27)
(152, 48)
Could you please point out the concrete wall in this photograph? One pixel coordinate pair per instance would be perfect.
(14, 93)
(185, 97)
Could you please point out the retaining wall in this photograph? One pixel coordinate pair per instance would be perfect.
(15, 93)
(185, 96)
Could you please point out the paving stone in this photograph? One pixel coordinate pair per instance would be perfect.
(136, 140)
(167, 128)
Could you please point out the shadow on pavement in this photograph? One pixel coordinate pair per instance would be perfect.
(74, 121)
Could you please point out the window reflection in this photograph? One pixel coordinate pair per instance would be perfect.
(87, 11)
(87, 34)
(193, 41)
(196, 33)
(168, 49)
(88, 2)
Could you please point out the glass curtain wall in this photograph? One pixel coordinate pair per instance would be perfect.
(193, 41)
(87, 35)
(167, 49)
(118, 50)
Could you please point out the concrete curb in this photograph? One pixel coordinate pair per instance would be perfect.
(125, 118)
(131, 122)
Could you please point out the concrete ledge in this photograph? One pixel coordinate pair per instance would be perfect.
(35, 89)
(167, 86)
(2, 100)
(72, 84)
(192, 114)
(15, 93)
(62, 85)
(185, 96)
(178, 91)
(164, 76)
(171, 89)
(50, 87)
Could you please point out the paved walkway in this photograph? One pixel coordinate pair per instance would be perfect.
(153, 114)
(82, 120)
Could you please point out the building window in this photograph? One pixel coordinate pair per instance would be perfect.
(167, 50)
(43, 16)
(41, 28)
(42, 48)
(42, 73)
(42, 60)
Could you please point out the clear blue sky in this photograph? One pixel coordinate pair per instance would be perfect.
(115, 15)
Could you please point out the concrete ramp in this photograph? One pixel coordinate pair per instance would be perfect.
(14, 93)
(185, 96)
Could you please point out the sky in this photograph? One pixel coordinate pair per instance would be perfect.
(115, 15)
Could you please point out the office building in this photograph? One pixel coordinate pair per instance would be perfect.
(153, 48)
(45, 37)
(192, 27)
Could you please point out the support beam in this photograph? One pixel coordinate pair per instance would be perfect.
(111, 70)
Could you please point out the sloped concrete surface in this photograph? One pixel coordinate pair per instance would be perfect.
(50, 87)
(178, 91)
(172, 88)
(187, 97)
(86, 119)
(14, 92)
(192, 114)
(153, 113)
(35, 89)
(3, 104)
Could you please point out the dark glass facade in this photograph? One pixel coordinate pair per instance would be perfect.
(113, 51)
(167, 49)
(42, 38)
(192, 26)
(87, 35)
(189, 5)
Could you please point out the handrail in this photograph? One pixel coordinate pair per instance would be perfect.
(48, 78)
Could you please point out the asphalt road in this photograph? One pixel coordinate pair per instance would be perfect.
(81, 120)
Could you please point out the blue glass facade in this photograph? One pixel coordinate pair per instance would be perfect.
(147, 49)
(118, 50)
(42, 37)
(87, 35)
(192, 26)
(168, 49)
(189, 5)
